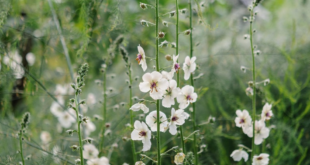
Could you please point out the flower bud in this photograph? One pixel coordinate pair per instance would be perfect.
(143, 6)
(183, 11)
(77, 161)
(144, 23)
(187, 32)
(164, 44)
(74, 147)
(249, 91)
(243, 69)
(168, 57)
(245, 19)
(161, 34)
(70, 132)
(246, 36)
(172, 13)
(266, 82)
(257, 52)
(125, 138)
(173, 45)
(165, 23)
(250, 83)
(202, 4)
(179, 158)
(97, 117)
(107, 125)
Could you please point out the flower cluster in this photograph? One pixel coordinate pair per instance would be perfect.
(91, 153)
(162, 86)
(244, 121)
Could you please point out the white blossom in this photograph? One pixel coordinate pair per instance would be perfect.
(140, 106)
(261, 132)
(176, 66)
(91, 99)
(139, 163)
(189, 66)
(243, 118)
(98, 161)
(154, 83)
(90, 151)
(262, 159)
(237, 155)
(179, 158)
(267, 112)
(142, 132)
(45, 137)
(151, 121)
(177, 118)
(187, 96)
(30, 57)
(167, 75)
(141, 58)
(89, 127)
(66, 119)
(170, 94)
(56, 109)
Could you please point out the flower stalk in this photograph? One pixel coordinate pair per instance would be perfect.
(104, 108)
(24, 123)
(157, 69)
(254, 80)
(176, 53)
(192, 82)
(79, 129)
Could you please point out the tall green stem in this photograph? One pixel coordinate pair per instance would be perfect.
(21, 146)
(104, 110)
(131, 114)
(79, 130)
(254, 81)
(192, 81)
(176, 53)
(157, 69)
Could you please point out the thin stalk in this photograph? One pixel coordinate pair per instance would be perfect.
(104, 110)
(21, 146)
(157, 68)
(254, 84)
(131, 115)
(79, 130)
(176, 53)
(192, 81)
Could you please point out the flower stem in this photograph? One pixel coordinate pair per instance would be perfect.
(176, 53)
(192, 81)
(254, 84)
(104, 110)
(79, 129)
(131, 114)
(157, 69)
(21, 146)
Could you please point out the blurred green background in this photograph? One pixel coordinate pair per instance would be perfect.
(90, 27)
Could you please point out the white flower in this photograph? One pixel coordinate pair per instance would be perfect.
(267, 112)
(261, 132)
(138, 106)
(90, 151)
(45, 137)
(189, 66)
(171, 92)
(141, 132)
(187, 96)
(177, 118)
(151, 121)
(243, 118)
(56, 151)
(61, 89)
(30, 58)
(139, 163)
(262, 159)
(175, 67)
(66, 119)
(141, 58)
(91, 99)
(56, 109)
(89, 127)
(237, 155)
(179, 158)
(167, 75)
(154, 83)
(98, 161)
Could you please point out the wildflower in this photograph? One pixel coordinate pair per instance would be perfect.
(141, 58)
(77, 161)
(30, 58)
(138, 106)
(171, 93)
(151, 120)
(179, 158)
(243, 118)
(243, 69)
(176, 66)
(266, 82)
(237, 155)
(173, 45)
(262, 159)
(89, 127)
(183, 11)
(139, 163)
(56, 151)
(154, 83)
(189, 66)
(249, 91)
(186, 96)
(90, 151)
(141, 132)
(98, 161)
(267, 112)
(56, 109)
(167, 75)
(177, 118)
(91, 99)
(66, 119)
(261, 132)
(45, 137)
